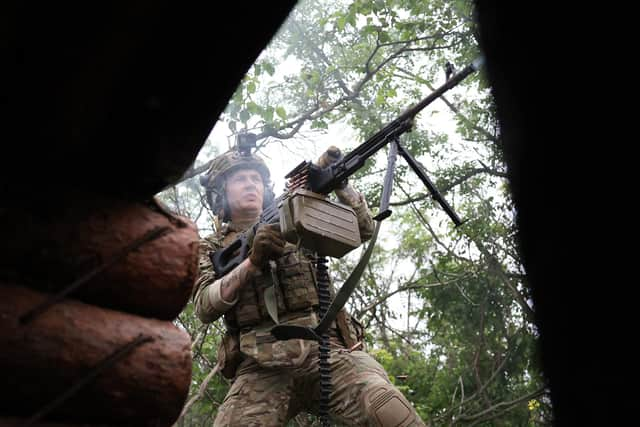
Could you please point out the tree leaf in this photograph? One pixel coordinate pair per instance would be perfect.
(268, 114)
(252, 107)
(269, 68)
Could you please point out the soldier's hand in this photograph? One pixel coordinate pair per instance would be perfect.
(268, 243)
(332, 155)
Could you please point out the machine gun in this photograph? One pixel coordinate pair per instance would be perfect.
(309, 184)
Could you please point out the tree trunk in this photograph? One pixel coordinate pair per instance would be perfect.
(48, 356)
(49, 250)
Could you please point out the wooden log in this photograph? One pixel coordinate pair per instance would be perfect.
(49, 250)
(56, 351)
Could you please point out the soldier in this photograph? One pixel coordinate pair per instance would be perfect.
(275, 380)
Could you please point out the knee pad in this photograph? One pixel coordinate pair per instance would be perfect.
(386, 406)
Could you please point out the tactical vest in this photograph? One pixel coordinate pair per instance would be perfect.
(295, 290)
(249, 323)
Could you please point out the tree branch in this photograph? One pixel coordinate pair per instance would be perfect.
(426, 225)
(201, 391)
(388, 295)
(351, 94)
(321, 55)
(482, 388)
(476, 359)
(452, 107)
(190, 173)
(494, 263)
(496, 266)
(480, 416)
(468, 175)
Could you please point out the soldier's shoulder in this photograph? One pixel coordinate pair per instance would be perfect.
(212, 241)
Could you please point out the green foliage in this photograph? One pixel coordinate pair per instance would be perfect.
(204, 349)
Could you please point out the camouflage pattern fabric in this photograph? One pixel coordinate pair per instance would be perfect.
(271, 397)
(359, 206)
(205, 305)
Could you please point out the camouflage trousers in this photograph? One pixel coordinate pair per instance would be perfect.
(362, 394)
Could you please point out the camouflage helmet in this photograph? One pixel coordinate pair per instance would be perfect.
(232, 160)
(225, 164)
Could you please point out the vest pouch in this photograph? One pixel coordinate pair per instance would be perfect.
(229, 356)
(246, 312)
(297, 281)
(268, 352)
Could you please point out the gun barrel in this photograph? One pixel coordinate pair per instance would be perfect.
(403, 122)
(449, 84)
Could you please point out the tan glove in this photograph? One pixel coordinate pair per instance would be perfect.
(332, 155)
(267, 244)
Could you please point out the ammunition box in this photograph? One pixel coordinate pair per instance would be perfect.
(319, 224)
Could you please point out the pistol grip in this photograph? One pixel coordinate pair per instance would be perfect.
(226, 259)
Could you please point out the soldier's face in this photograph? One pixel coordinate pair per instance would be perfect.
(245, 192)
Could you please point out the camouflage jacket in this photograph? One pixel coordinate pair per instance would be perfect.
(247, 319)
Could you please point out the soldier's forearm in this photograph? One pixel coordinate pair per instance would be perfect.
(349, 196)
(236, 279)
(215, 297)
